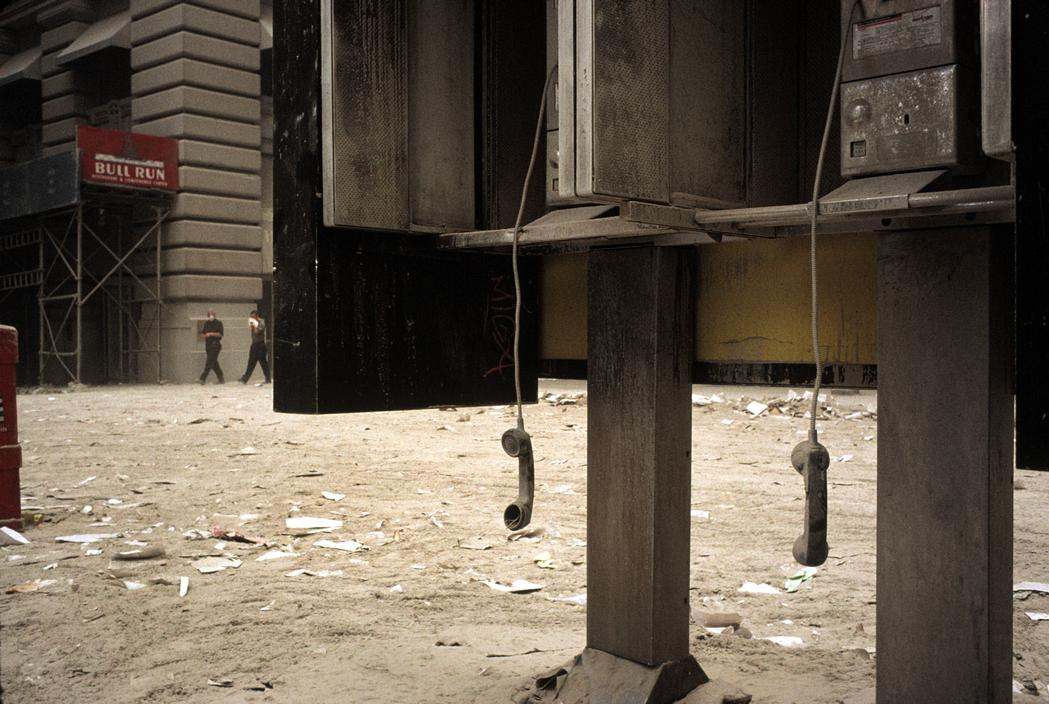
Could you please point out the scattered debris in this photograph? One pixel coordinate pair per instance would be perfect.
(275, 555)
(514, 655)
(794, 582)
(518, 586)
(718, 619)
(344, 545)
(577, 599)
(133, 586)
(700, 514)
(31, 586)
(843, 458)
(207, 565)
(727, 421)
(754, 588)
(313, 573)
(473, 544)
(311, 523)
(1040, 587)
(532, 534)
(196, 534)
(183, 586)
(311, 473)
(786, 641)
(235, 536)
(757, 408)
(220, 683)
(249, 450)
(87, 481)
(146, 553)
(333, 495)
(10, 536)
(543, 560)
(1037, 615)
(86, 537)
(397, 589)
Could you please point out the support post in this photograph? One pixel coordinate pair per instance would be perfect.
(638, 478)
(945, 462)
(79, 284)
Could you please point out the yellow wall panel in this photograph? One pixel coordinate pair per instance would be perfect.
(753, 302)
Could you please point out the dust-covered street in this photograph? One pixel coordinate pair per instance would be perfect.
(403, 605)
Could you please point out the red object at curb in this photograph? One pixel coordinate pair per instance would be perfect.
(10, 450)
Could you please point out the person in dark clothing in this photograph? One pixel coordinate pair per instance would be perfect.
(212, 331)
(258, 350)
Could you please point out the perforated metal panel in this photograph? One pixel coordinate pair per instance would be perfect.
(630, 110)
(364, 84)
(654, 96)
(397, 80)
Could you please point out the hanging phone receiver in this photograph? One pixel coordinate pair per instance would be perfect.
(812, 460)
(517, 443)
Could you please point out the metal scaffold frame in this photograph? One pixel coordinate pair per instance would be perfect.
(68, 279)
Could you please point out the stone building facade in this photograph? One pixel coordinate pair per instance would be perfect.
(193, 71)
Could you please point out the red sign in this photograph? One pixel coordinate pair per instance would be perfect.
(127, 159)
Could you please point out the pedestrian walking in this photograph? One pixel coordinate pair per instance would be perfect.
(212, 331)
(258, 352)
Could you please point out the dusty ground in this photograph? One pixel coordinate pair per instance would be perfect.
(427, 480)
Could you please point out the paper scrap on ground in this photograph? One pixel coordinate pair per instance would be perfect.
(843, 458)
(474, 544)
(756, 408)
(754, 588)
(794, 582)
(344, 545)
(528, 535)
(786, 641)
(249, 450)
(207, 565)
(1040, 587)
(12, 537)
(311, 522)
(275, 555)
(700, 514)
(87, 481)
(333, 495)
(518, 586)
(183, 586)
(577, 599)
(143, 553)
(1037, 615)
(86, 537)
(31, 586)
(313, 573)
(132, 586)
(544, 560)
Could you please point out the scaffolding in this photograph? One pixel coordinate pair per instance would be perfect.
(76, 264)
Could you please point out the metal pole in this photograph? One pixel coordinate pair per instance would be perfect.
(79, 280)
(160, 304)
(121, 305)
(40, 308)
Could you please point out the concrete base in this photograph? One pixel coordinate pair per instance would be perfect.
(596, 677)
